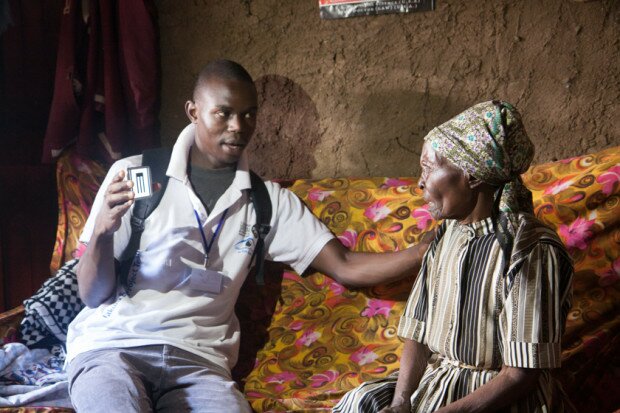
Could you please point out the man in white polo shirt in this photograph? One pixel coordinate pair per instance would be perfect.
(167, 338)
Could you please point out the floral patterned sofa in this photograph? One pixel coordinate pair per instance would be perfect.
(306, 341)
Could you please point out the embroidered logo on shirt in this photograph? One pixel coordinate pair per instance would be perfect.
(245, 245)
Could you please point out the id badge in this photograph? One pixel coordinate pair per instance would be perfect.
(206, 280)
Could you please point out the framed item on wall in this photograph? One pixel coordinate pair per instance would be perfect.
(341, 9)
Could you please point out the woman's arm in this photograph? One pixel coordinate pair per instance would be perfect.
(412, 365)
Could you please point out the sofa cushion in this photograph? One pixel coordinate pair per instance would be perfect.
(78, 180)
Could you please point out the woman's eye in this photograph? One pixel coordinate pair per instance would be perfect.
(250, 115)
(222, 114)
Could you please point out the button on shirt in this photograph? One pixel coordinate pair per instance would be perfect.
(159, 306)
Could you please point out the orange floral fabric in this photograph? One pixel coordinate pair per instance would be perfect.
(324, 339)
(78, 180)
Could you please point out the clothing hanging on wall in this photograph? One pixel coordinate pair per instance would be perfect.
(106, 90)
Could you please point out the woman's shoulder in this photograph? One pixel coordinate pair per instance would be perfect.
(530, 226)
(531, 232)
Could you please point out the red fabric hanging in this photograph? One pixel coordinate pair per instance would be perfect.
(106, 90)
(27, 62)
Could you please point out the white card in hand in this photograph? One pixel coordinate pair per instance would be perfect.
(141, 177)
(206, 280)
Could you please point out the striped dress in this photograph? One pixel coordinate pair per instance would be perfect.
(475, 319)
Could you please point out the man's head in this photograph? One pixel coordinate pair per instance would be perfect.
(223, 111)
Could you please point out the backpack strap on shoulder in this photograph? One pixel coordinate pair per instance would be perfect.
(157, 160)
(262, 206)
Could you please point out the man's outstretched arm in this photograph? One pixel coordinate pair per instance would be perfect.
(362, 269)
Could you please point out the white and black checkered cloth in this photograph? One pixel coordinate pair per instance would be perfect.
(50, 310)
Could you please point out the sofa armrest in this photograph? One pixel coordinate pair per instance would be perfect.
(9, 323)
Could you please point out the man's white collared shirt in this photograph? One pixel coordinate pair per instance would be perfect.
(159, 306)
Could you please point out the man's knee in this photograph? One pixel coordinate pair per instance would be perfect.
(105, 382)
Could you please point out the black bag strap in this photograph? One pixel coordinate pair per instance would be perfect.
(262, 206)
(157, 160)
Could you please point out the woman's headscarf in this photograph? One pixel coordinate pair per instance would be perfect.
(489, 142)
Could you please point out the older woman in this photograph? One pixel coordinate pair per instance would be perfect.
(483, 323)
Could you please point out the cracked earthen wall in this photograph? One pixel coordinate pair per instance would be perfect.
(355, 97)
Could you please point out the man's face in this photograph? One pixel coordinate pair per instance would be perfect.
(224, 112)
(446, 188)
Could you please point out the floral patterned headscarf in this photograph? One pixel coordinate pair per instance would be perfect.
(489, 142)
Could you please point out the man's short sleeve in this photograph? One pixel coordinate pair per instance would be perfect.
(296, 235)
(535, 309)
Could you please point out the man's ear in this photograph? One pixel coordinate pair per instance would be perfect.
(191, 111)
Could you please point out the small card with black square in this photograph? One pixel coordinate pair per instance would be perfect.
(141, 177)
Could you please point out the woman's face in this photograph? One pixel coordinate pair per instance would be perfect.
(446, 188)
